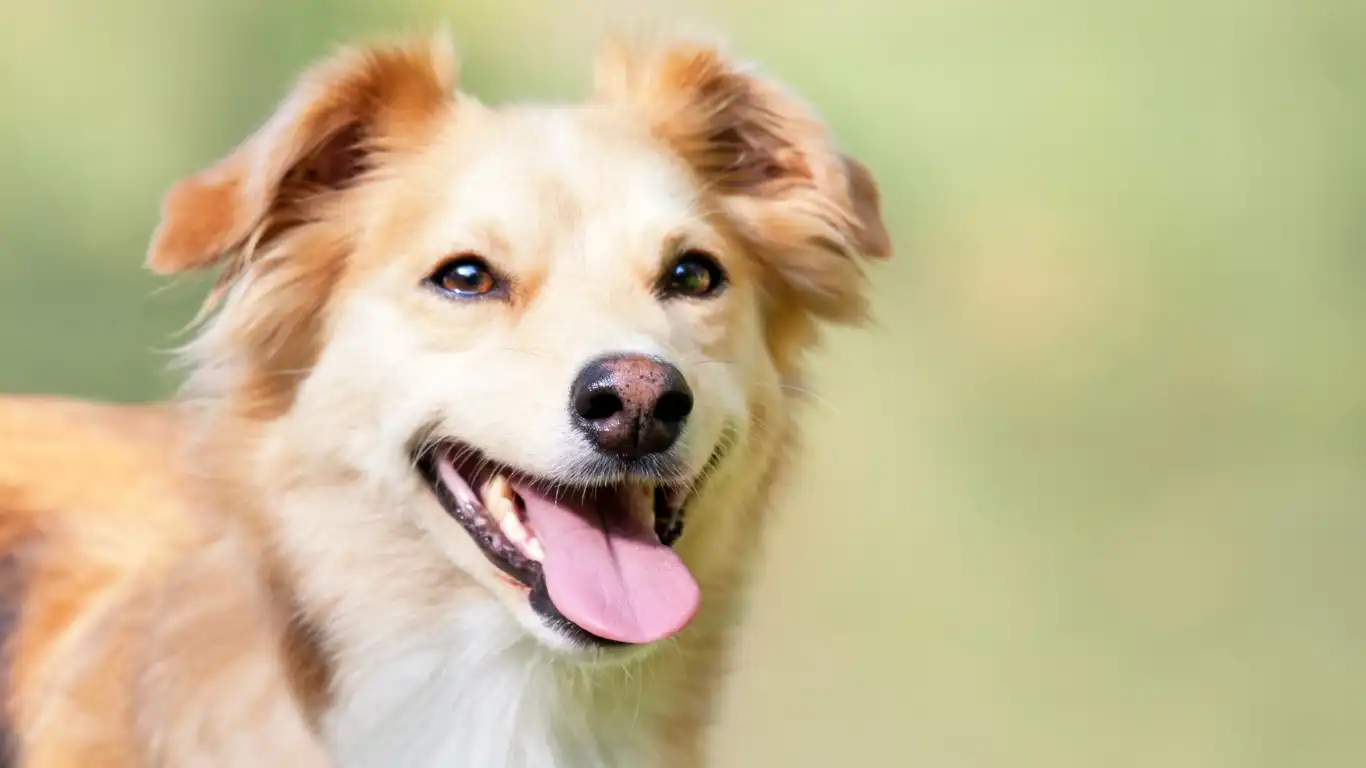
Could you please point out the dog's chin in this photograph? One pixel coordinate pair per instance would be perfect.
(588, 566)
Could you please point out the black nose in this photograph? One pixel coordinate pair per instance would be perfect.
(630, 405)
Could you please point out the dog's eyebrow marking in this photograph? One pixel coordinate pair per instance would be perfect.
(675, 243)
(484, 240)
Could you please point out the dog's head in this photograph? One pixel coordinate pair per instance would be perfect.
(550, 343)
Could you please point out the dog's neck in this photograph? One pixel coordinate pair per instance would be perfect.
(477, 692)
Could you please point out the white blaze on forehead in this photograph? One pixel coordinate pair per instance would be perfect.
(558, 184)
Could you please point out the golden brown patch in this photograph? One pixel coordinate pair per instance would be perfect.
(276, 215)
(806, 211)
(310, 671)
(125, 590)
(358, 103)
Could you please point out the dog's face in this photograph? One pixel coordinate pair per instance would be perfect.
(544, 320)
(553, 340)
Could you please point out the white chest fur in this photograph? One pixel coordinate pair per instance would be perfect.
(484, 699)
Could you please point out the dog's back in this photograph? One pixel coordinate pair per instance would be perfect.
(87, 501)
(72, 472)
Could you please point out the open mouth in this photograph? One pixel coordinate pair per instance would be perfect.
(597, 559)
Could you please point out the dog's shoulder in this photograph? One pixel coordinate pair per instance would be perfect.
(87, 492)
(86, 485)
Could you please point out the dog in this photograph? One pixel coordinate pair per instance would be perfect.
(482, 422)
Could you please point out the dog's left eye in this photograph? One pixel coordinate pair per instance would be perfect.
(466, 275)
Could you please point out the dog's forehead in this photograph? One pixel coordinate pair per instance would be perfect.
(538, 172)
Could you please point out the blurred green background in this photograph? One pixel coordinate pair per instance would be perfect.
(1093, 493)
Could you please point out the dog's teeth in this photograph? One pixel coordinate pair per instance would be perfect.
(516, 532)
(501, 502)
(499, 498)
(530, 544)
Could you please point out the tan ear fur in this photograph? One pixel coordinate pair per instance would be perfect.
(274, 214)
(867, 207)
(318, 140)
(807, 211)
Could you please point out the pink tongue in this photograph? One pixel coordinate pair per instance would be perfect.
(607, 572)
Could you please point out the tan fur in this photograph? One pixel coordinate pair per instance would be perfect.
(228, 579)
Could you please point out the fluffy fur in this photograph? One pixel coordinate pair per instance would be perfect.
(255, 575)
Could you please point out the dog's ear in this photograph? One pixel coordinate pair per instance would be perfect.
(808, 211)
(321, 138)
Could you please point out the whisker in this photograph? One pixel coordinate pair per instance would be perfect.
(812, 395)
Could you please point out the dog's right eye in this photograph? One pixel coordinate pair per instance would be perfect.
(466, 276)
(695, 275)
